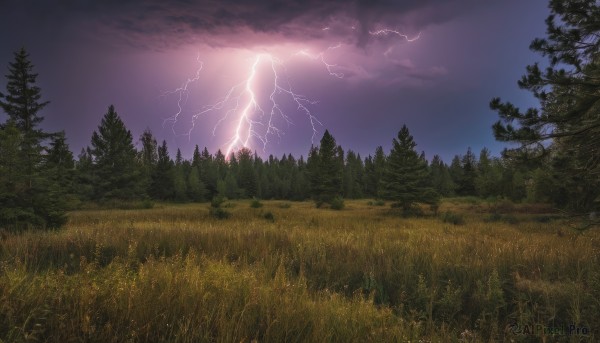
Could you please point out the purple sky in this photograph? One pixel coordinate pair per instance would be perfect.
(90, 54)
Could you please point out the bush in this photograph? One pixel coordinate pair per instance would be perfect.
(219, 213)
(337, 203)
(269, 216)
(255, 203)
(147, 204)
(217, 201)
(453, 218)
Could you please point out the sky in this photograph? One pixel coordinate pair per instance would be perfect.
(273, 75)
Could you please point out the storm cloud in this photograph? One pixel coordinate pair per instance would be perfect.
(160, 24)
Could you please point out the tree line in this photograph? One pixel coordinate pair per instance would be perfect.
(557, 160)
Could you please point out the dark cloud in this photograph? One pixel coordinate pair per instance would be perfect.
(155, 22)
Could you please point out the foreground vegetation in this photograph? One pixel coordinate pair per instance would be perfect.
(289, 272)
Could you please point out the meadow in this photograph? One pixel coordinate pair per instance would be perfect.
(288, 272)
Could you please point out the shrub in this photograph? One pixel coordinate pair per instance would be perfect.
(219, 213)
(255, 203)
(453, 218)
(269, 216)
(337, 203)
(217, 201)
(147, 204)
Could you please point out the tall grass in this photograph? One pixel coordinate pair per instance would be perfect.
(176, 273)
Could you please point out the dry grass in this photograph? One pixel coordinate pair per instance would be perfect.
(174, 273)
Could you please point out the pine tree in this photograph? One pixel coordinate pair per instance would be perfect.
(117, 174)
(195, 187)
(61, 167)
(374, 167)
(180, 182)
(326, 170)
(569, 93)
(147, 158)
(489, 175)
(353, 176)
(28, 194)
(405, 179)
(84, 175)
(247, 178)
(466, 182)
(209, 173)
(161, 186)
(440, 177)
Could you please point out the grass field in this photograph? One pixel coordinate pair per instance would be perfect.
(290, 272)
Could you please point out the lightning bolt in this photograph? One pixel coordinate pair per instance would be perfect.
(183, 95)
(321, 57)
(241, 101)
(385, 32)
(250, 120)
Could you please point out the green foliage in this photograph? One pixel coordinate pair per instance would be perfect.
(217, 201)
(33, 182)
(564, 132)
(405, 180)
(453, 218)
(196, 190)
(325, 167)
(117, 174)
(162, 175)
(441, 180)
(246, 174)
(255, 203)
(219, 213)
(269, 216)
(215, 210)
(337, 203)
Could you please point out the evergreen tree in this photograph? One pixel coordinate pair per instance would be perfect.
(489, 175)
(148, 154)
(247, 178)
(13, 213)
(162, 184)
(195, 187)
(374, 168)
(84, 175)
(440, 177)
(456, 171)
(180, 182)
(466, 183)
(405, 179)
(326, 170)
(61, 168)
(178, 158)
(28, 193)
(196, 157)
(117, 174)
(147, 157)
(230, 187)
(353, 176)
(569, 93)
(209, 172)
